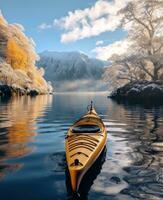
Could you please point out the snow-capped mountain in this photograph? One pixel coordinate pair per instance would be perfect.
(70, 66)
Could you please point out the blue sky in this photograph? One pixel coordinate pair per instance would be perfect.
(32, 13)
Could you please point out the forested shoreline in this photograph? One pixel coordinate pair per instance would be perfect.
(138, 71)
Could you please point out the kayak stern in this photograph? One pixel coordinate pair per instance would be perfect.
(76, 176)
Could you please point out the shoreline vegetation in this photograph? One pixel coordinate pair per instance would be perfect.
(19, 74)
(136, 67)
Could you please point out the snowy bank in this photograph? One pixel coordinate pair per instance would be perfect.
(140, 91)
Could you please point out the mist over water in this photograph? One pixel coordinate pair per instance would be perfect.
(32, 154)
(83, 85)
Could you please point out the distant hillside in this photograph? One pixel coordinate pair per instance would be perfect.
(70, 66)
(73, 71)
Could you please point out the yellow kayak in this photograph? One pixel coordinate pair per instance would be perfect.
(85, 141)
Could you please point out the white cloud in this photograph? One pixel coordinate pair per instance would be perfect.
(100, 42)
(91, 21)
(44, 26)
(119, 47)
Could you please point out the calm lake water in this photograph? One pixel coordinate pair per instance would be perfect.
(32, 156)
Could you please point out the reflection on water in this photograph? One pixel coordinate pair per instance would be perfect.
(58, 162)
(32, 157)
(17, 128)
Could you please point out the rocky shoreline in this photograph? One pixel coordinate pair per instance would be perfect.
(140, 91)
(8, 91)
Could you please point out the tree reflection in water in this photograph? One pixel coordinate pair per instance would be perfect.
(145, 138)
(18, 128)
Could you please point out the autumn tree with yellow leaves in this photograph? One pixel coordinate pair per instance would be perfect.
(18, 58)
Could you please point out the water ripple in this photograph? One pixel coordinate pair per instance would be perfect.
(32, 155)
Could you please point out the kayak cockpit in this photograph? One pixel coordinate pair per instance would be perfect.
(86, 128)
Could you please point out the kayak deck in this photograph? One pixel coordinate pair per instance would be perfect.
(81, 147)
(85, 141)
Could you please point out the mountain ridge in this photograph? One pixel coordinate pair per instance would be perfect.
(70, 66)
